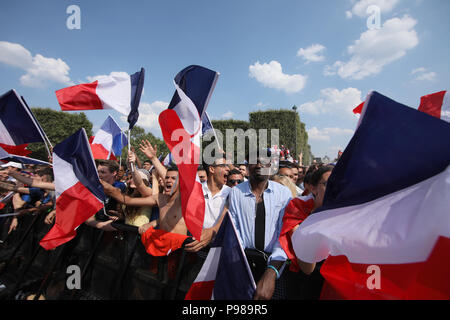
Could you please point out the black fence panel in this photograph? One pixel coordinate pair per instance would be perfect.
(113, 265)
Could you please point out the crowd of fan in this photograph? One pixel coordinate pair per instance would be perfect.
(146, 194)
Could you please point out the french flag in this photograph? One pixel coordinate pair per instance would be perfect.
(79, 194)
(18, 126)
(108, 141)
(119, 91)
(384, 225)
(181, 126)
(437, 105)
(225, 274)
(297, 210)
(6, 157)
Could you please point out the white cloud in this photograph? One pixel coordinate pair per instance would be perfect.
(428, 76)
(39, 69)
(348, 14)
(334, 101)
(377, 48)
(360, 7)
(312, 53)
(228, 115)
(422, 74)
(148, 116)
(326, 133)
(271, 75)
(114, 73)
(421, 69)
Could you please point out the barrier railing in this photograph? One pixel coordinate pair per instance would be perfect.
(112, 265)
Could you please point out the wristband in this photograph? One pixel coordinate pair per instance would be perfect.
(275, 269)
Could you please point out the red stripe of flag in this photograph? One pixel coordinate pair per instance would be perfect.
(192, 199)
(74, 206)
(79, 97)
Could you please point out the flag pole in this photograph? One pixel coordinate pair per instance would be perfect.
(129, 149)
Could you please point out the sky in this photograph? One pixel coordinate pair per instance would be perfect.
(322, 56)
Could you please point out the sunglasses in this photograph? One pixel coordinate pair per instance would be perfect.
(235, 181)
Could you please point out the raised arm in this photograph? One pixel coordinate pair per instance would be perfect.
(127, 200)
(32, 182)
(137, 179)
(150, 152)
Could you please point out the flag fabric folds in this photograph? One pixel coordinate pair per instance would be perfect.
(6, 157)
(108, 141)
(385, 206)
(181, 126)
(18, 127)
(437, 105)
(225, 274)
(79, 194)
(118, 91)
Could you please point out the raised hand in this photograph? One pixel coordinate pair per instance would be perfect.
(149, 150)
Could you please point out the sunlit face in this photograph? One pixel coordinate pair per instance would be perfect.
(106, 175)
(170, 180)
(243, 170)
(219, 171)
(319, 190)
(261, 170)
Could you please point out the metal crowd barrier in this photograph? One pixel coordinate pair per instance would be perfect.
(112, 265)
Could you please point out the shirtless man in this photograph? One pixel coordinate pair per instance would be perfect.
(169, 203)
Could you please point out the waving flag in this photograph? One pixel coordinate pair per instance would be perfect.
(181, 126)
(79, 194)
(118, 91)
(384, 224)
(108, 141)
(225, 274)
(436, 104)
(168, 160)
(18, 127)
(6, 157)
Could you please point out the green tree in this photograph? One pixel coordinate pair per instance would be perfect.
(57, 125)
(137, 135)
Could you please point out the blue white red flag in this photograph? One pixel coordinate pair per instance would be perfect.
(108, 141)
(225, 274)
(79, 194)
(181, 126)
(119, 91)
(6, 157)
(18, 127)
(384, 224)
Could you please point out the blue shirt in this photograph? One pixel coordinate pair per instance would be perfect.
(242, 208)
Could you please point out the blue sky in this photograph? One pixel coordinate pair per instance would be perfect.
(318, 55)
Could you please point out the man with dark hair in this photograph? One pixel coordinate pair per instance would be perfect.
(215, 192)
(201, 172)
(297, 211)
(234, 178)
(147, 165)
(244, 170)
(257, 205)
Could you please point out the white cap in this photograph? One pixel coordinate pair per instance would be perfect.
(12, 164)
